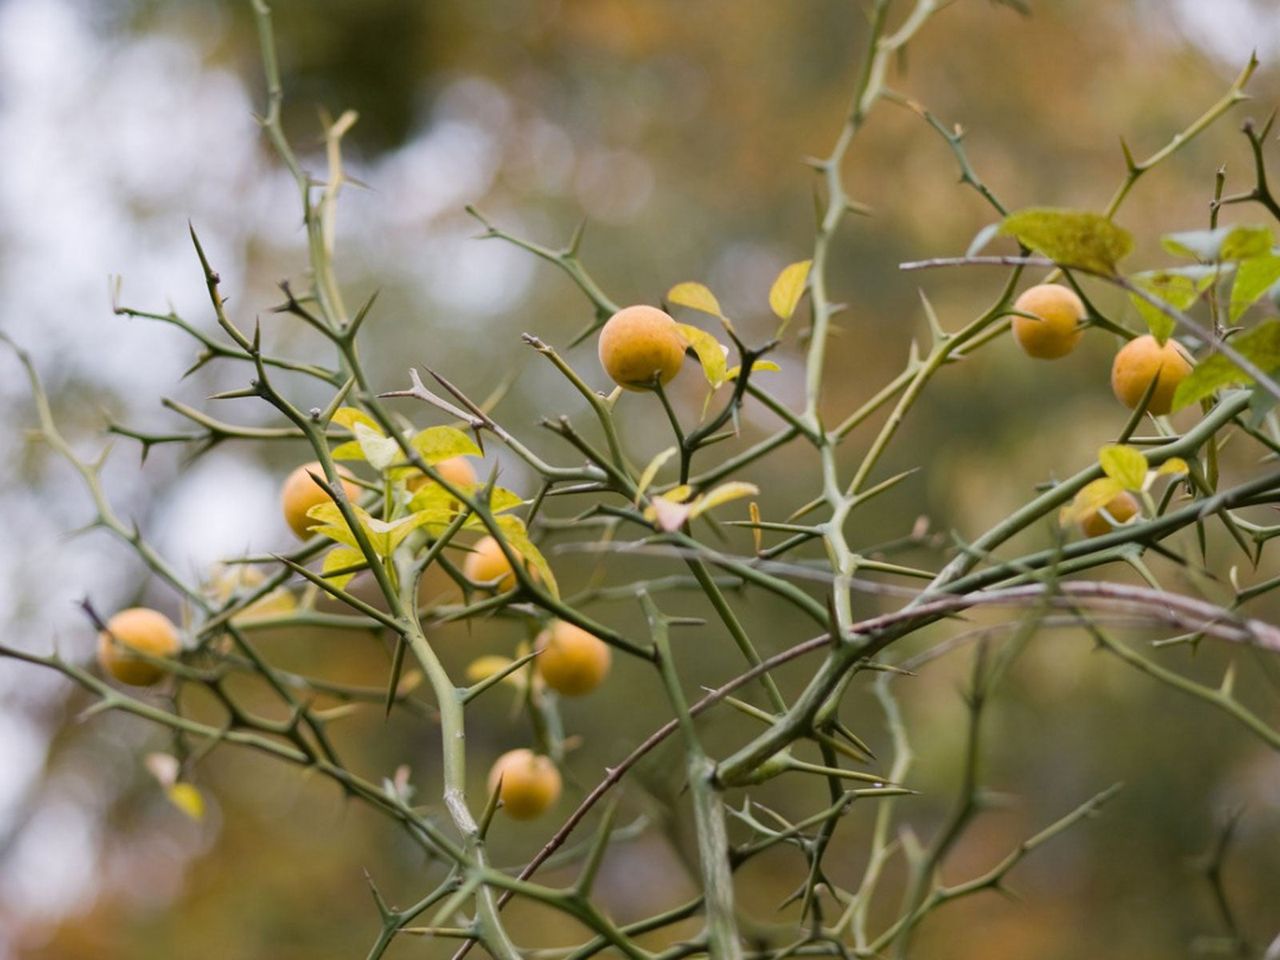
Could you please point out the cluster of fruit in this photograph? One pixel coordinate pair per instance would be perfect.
(638, 346)
(1049, 322)
(641, 347)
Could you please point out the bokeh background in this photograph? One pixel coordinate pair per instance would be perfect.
(678, 131)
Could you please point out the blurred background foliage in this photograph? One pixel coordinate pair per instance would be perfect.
(678, 130)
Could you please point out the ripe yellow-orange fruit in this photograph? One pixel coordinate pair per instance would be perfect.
(530, 783)
(571, 661)
(639, 343)
(1142, 360)
(486, 562)
(300, 493)
(1058, 330)
(456, 470)
(141, 629)
(1121, 507)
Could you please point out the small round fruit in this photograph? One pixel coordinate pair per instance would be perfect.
(530, 783)
(486, 562)
(1058, 330)
(638, 343)
(456, 470)
(300, 493)
(141, 629)
(1122, 507)
(1142, 360)
(571, 661)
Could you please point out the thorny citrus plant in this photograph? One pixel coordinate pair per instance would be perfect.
(391, 490)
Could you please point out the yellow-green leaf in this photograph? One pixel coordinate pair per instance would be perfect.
(695, 296)
(1223, 244)
(513, 530)
(380, 451)
(187, 798)
(435, 444)
(1261, 346)
(1071, 238)
(787, 290)
(1175, 466)
(1092, 497)
(349, 416)
(435, 501)
(652, 469)
(502, 500)
(733, 490)
(1178, 288)
(732, 373)
(351, 450)
(679, 494)
(1126, 465)
(383, 536)
(330, 521)
(342, 558)
(711, 354)
(1254, 277)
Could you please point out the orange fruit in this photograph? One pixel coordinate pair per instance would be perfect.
(1122, 506)
(141, 629)
(300, 493)
(486, 563)
(456, 470)
(572, 661)
(640, 343)
(530, 783)
(1058, 330)
(1143, 360)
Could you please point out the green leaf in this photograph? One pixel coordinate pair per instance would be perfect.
(711, 354)
(1222, 244)
(1071, 238)
(788, 288)
(1092, 497)
(695, 296)
(1178, 288)
(342, 558)
(436, 444)
(1254, 278)
(1125, 465)
(349, 416)
(733, 372)
(1261, 346)
(515, 533)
